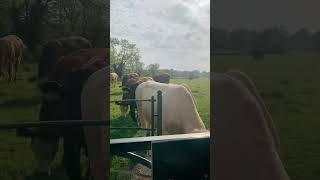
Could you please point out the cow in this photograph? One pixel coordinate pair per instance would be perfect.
(126, 77)
(56, 48)
(127, 93)
(62, 101)
(243, 138)
(94, 100)
(162, 78)
(179, 112)
(244, 79)
(113, 78)
(11, 55)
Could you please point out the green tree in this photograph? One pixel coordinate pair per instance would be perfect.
(153, 69)
(125, 56)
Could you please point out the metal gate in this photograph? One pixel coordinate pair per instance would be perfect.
(158, 116)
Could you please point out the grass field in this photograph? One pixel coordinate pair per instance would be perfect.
(291, 90)
(19, 103)
(289, 85)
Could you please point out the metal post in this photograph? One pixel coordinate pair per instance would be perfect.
(152, 115)
(159, 113)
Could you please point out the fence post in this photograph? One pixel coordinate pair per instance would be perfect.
(159, 113)
(152, 115)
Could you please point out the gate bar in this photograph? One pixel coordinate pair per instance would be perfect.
(131, 128)
(152, 115)
(6, 126)
(136, 158)
(132, 100)
(159, 113)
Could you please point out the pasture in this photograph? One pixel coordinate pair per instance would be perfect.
(289, 85)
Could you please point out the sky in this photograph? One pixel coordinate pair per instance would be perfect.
(173, 33)
(257, 14)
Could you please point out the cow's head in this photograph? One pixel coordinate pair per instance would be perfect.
(128, 92)
(127, 77)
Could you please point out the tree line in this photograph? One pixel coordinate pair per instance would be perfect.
(126, 58)
(37, 21)
(275, 39)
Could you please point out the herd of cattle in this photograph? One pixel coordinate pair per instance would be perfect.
(71, 78)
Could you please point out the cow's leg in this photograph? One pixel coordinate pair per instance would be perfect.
(132, 113)
(1, 67)
(9, 72)
(71, 157)
(16, 65)
(243, 78)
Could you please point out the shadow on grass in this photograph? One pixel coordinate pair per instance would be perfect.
(21, 102)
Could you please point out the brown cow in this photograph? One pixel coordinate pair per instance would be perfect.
(126, 77)
(162, 78)
(128, 93)
(62, 101)
(56, 48)
(11, 50)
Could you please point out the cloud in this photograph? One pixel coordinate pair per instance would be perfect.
(171, 32)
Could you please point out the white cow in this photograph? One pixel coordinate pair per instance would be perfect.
(179, 112)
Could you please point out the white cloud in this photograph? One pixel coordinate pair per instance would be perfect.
(173, 33)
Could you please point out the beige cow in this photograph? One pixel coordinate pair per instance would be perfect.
(113, 78)
(244, 140)
(94, 100)
(179, 112)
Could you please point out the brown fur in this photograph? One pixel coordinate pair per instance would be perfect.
(127, 77)
(74, 61)
(11, 50)
(56, 48)
(162, 78)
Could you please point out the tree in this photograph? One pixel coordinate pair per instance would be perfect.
(124, 56)
(153, 69)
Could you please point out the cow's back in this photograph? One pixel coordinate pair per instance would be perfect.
(179, 113)
(76, 60)
(57, 48)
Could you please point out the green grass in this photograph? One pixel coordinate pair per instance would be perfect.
(20, 102)
(290, 88)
